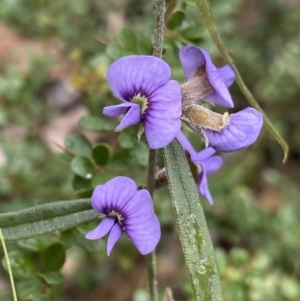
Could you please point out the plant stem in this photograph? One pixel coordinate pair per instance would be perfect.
(8, 267)
(159, 24)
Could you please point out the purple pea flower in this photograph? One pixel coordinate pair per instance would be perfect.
(242, 130)
(206, 163)
(149, 97)
(219, 79)
(128, 210)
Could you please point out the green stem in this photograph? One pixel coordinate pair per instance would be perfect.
(159, 25)
(211, 27)
(8, 267)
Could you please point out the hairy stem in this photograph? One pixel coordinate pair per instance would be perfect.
(158, 39)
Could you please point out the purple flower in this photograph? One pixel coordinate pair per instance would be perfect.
(206, 163)
(242, 130)
(192, 58)
(126, 210)
(149, 97)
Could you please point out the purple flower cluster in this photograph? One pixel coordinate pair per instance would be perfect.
(149, 98)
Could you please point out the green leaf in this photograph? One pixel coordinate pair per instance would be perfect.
(140, 153)
(115, 52)
(192, 33)
(80, 183)
(37, 243)
(126, 140)
(47, 226)
(78, 145)
(28, 289)
(44, 211)
(101, 154)
(54, 257)
(100, 179)
(145, 44)
(96, 124)
(194, 234)
(128, 39)
(21, 266)
(52, 279)
(176, 19)
(83, 167)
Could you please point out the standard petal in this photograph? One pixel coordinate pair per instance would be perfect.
(162, 118)
(144, 232)
(140, 204)
(202, 186)
(191, 58)
(102, 229)
(185, 143)
(115, 233)
(135, 74)
(115, 111)
(113, 194)
(132, 117)
(242, 130)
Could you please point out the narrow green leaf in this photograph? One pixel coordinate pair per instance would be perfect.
(83, 167)
(101, 154)
(78, 145)
(96, 124)
(47, 226)
(209, 22)
(44, 211)
(176, 19)
(21, 266)
(194, 234)
(129, 39)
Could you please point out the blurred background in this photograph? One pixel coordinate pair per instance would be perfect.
(53, 61)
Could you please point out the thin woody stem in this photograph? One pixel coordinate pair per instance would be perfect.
(158, 39)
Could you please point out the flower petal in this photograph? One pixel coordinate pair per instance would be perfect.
(162, 118)
(144, 233)
(191, 58)
(204, 154)
(242, 130)
(102, 229)
(227, 74)
(202, 186)
(132, 117)
(115, 111)
(212, 164)
(135, 74)
(113, 195)
(185, 143)
(141, 224)
(140, 204)
(115, 233)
